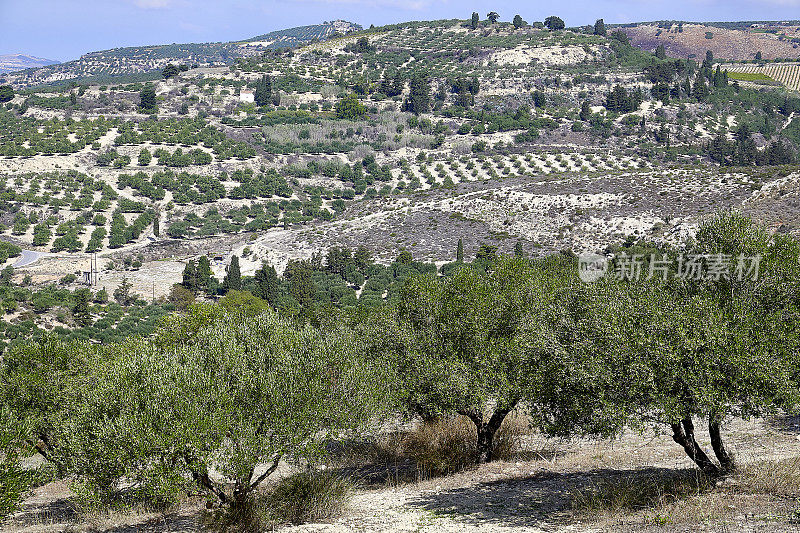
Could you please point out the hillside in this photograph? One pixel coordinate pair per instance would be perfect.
(14, 62)
(136, 61)
(740, 42)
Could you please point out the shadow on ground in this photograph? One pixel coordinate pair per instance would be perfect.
(58, 511)
(540, 501)
(786, 423)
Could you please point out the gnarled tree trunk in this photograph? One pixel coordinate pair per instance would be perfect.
(725, 459)
(487, 430)
(683, 434)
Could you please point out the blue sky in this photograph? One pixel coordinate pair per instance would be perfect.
(64, 29)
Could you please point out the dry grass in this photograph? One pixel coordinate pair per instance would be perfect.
(443, 446)
(307, 497)
(303, 497)
(766, 490)
(449, 445)
(774, 477)
(643, 490)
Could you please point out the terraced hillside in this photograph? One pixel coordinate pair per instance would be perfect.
(410, 137)
(741, 42)
(787, 74)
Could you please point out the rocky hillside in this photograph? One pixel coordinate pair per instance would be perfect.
(688, 40)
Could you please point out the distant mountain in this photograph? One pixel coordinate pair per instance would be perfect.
(143, 61)
(13, 62)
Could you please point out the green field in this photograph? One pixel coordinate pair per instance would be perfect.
(749, 76)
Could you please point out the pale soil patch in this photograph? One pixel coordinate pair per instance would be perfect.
(545, 55)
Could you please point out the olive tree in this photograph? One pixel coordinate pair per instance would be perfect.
(14, 480)
(461, 351)
(666, 353)
(215, 402)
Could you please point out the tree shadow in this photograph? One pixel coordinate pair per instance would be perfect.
(372, 464)
(51, 512)
(540, 501)
(789, 423)
(171, 523)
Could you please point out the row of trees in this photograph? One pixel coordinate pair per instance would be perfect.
(551, 22)
(226, 392)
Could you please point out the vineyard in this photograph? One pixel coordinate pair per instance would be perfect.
(787, 74)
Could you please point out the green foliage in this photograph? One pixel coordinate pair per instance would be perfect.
(233, 276)
(170, 71)
(350, 108)
(14, 480)
(462, 352)
(147, 99)
(206, 392)
(599, 27)
(244, 303)
(6, 93)
(145, 157)
(419, 98)
(554, 23)
(263, 92)
(123, 294)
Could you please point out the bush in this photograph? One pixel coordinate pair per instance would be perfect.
(442, 446)
(350, 108)
(447, 445)
(307, 497)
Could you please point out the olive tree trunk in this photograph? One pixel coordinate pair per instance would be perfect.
(683, 434)
(725, 459)
(485, 451)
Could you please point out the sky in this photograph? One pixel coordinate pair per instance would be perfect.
(62, 30)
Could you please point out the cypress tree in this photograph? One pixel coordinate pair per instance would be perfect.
(203, 273)
(263, 92)
(190, 276)
(233, 276)
(600, 27)
(419, 98)
(267, 283)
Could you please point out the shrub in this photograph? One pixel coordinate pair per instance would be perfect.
(349, 107)
(442, 446)
(307, 497)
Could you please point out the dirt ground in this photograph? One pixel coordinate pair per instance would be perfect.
(531, 493)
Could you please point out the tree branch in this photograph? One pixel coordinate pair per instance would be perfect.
(202, 479)
(266, 474)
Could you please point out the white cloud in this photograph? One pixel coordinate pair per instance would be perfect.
(153, 4)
